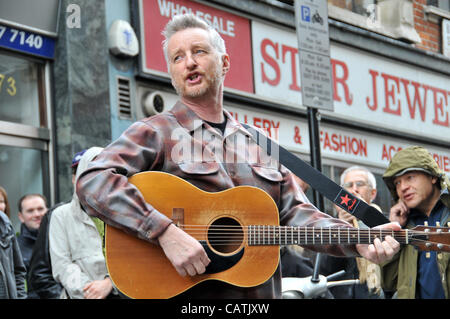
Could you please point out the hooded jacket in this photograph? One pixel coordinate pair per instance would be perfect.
(75, 243)
(416, 158)
(400, 274)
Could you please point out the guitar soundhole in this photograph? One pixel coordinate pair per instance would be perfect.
(225, 235)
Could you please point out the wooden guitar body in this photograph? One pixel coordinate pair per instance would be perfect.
(141, 270)
(239, 229)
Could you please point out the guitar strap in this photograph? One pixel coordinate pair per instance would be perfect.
(321, 183)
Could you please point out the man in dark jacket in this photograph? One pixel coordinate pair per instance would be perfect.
(41, 284)
(32, 207)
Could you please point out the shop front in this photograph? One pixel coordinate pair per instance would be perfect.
(381, 104)
(26, 49)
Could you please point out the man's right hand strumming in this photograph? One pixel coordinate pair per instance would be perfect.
(185, 253)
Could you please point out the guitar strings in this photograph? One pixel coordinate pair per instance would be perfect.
(309, 230)
(236, 234)
(288, 229)
(288, 241)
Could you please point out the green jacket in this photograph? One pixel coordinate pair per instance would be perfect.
(400, 273)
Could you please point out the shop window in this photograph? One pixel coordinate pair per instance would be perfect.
(365, 8)
(24, 131)
(437, 11)
(393, 18)
(20, 93)
(441, 4)
(21, 173)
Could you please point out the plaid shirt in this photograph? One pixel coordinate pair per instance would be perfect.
(180, 143)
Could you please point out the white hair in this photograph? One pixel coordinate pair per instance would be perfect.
(370, 177)
(182, 22)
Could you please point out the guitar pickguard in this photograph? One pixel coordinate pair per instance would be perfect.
(218, 262)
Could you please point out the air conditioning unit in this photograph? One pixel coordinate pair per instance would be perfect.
(152, 102)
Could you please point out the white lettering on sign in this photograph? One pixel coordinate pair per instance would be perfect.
(366, 88)
(21, 38)
(169, 9)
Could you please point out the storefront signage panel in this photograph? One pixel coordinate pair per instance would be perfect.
(36, 16)
(235, 30)
(367, 88)
(336, 143)
(27, 42)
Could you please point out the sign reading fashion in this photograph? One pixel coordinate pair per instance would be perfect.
(336, 142)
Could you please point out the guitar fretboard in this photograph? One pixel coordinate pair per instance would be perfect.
(290, 235)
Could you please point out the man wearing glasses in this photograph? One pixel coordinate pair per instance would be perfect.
(360, 182)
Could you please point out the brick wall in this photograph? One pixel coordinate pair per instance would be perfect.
(430, 33)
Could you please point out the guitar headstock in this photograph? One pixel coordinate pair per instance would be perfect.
(431, 238)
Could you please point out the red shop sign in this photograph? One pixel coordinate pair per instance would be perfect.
(235, 30)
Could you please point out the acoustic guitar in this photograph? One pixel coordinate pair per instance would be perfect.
(239, 229)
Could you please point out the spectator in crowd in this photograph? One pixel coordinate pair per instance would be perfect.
(360, 182)
(421, 191)
(4, 203)
(76, 247)
(41, 284)
(12, 268)
(32, 207)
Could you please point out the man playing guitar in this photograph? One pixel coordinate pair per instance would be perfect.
(196, 141)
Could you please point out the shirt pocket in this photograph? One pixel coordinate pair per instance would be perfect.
(267, 173)
(199, 168)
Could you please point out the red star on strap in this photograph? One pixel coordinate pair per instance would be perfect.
(345, 199)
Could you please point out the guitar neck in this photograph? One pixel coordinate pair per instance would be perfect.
(291, 235)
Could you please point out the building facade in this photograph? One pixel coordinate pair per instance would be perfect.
(390, 63)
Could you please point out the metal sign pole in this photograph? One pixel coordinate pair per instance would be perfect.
(311, 21)
(316, 159)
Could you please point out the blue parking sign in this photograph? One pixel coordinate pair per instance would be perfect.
(306, 13)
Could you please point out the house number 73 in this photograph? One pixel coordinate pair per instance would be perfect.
(9, 85)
